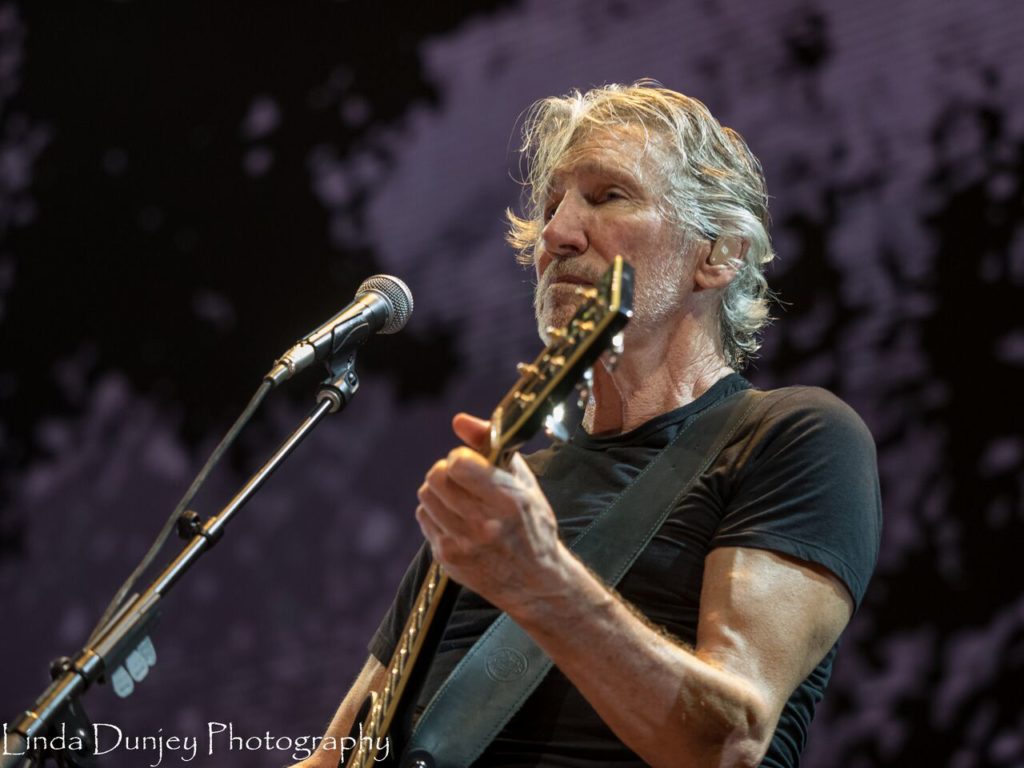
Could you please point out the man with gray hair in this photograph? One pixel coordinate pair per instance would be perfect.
(717, 644)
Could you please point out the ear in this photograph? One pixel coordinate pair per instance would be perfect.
(723, 258)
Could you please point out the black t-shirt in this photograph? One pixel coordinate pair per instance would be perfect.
(799, 477)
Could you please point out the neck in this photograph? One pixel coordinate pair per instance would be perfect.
(658, 372)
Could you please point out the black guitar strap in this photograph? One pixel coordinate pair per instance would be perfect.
(491, 682)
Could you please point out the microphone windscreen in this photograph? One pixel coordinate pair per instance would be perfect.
(398, 295)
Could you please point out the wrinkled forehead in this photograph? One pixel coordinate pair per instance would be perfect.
(628, 149)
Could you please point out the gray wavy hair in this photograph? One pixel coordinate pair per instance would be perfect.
(715, 185)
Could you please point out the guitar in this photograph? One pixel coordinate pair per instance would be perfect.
(542, 385)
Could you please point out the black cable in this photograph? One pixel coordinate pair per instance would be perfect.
(172, 521)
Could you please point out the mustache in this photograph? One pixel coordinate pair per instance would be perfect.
(562, 270)
(569, 271)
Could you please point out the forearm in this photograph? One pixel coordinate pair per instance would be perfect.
(370, 679)
(761, 628)
(666, 703)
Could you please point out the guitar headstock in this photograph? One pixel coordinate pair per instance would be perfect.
(547, 381)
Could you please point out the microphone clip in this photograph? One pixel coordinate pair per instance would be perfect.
(342, 382)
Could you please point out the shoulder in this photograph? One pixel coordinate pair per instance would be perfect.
(804, 481)
(808, 414)
(806, 402)
(803, 438)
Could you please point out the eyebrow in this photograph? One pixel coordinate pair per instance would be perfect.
(597, 168)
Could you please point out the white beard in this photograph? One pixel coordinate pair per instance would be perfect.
(657, 294)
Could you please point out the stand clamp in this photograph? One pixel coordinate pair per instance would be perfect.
(342, 383)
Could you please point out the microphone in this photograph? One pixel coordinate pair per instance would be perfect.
(382, 304)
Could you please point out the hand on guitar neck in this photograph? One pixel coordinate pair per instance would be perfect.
(458, 479)
(491, 528)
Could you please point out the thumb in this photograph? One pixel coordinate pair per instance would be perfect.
(474, 432)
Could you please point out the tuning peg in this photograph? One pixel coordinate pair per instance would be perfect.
(134, 669)
(618, 343)
(147, 650)
(526, 369)
(585, 292)
(584, 326)
(584, 387)
(615, 351)
(122, 682)
(555, 333)
(554, 426)
(137, 666)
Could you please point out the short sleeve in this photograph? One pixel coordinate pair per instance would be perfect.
(806, 485)
(385, 639)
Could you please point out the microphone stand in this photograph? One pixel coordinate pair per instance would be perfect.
(57, 714)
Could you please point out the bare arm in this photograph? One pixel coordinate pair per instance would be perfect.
(371, 678)
(765, 620)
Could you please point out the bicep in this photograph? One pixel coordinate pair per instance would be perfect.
(768, 618)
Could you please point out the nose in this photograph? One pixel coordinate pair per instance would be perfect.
(565, 233)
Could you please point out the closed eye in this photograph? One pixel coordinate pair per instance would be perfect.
(550, 208)
(611, 194)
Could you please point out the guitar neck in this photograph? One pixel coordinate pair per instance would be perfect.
(406, 653)
(543, 383)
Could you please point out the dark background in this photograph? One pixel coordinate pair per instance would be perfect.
(187, 187)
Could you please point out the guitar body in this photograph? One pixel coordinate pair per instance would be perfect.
(544, 383)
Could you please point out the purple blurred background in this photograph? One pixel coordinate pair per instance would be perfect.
(186, 188)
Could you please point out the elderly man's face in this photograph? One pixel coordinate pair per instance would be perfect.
(603, 201)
